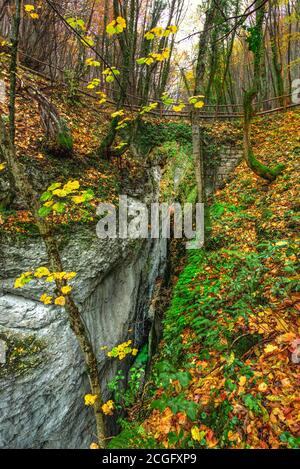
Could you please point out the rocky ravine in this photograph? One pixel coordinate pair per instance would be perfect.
(42, 406)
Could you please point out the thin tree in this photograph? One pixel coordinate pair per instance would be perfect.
(197, 137)
(256, 44)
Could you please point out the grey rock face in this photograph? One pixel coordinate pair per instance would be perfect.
(43, 407)
(220, 166)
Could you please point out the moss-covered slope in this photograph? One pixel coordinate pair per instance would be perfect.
(227, 373)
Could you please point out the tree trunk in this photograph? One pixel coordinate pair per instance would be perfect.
(16, 20)
(257, 167)
(198, 160)
(104, 151)
(55, 127)
(196, 131)
(275, 48)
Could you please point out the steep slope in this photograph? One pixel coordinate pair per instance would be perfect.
(227, 374)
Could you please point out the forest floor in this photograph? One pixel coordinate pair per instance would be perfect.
(227, 373)
(88, 123)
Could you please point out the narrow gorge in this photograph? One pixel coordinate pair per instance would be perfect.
(115, 284)
(116, 280)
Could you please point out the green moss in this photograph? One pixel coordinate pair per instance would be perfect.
(133, 436)
(243, 344)
(262, 170)
(192, 196)
(64, 138)
(149, 135)
(23, 353)
(179, 162)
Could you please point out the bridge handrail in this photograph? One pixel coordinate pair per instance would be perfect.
(209, 111)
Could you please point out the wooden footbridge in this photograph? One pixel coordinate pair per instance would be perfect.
(55, 76)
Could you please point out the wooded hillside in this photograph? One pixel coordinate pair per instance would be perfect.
(150, 339)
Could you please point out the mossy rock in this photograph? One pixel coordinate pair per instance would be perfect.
(62, 145)
(21, 353)
(244, 343)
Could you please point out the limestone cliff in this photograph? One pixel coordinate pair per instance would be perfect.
(42, 404)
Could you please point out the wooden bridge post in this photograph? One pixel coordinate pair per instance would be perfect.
(198, 158)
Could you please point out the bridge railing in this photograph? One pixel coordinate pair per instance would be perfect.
(209, 110)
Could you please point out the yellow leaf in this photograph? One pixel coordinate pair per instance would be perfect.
(18, 283)
(49, 203)
(87, 40)
(121, 21)
(158, 31)
(60, 193)
(149, 36)
(179, 107)
(199, 104)
(273, 398)
(50, 278)
(78, 199)
(47, 300)
(270, 348)
(67, 289)
(195, 432)
(21, 281)
(242, 380)
(71, 186)
(263, 387)
(173, 29)
(92, 63)
(231, 359)
(110, 28)
(2, 166)
(281, 243)
(60, 301)
(34, 16)
(69, 275)
(116, 26)
(90, 399)
(94, 446)
(108, 407)
(29, 8)
(59, 275)
(117, 113)
(149, 61)
(197, 435)
(41, 272)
